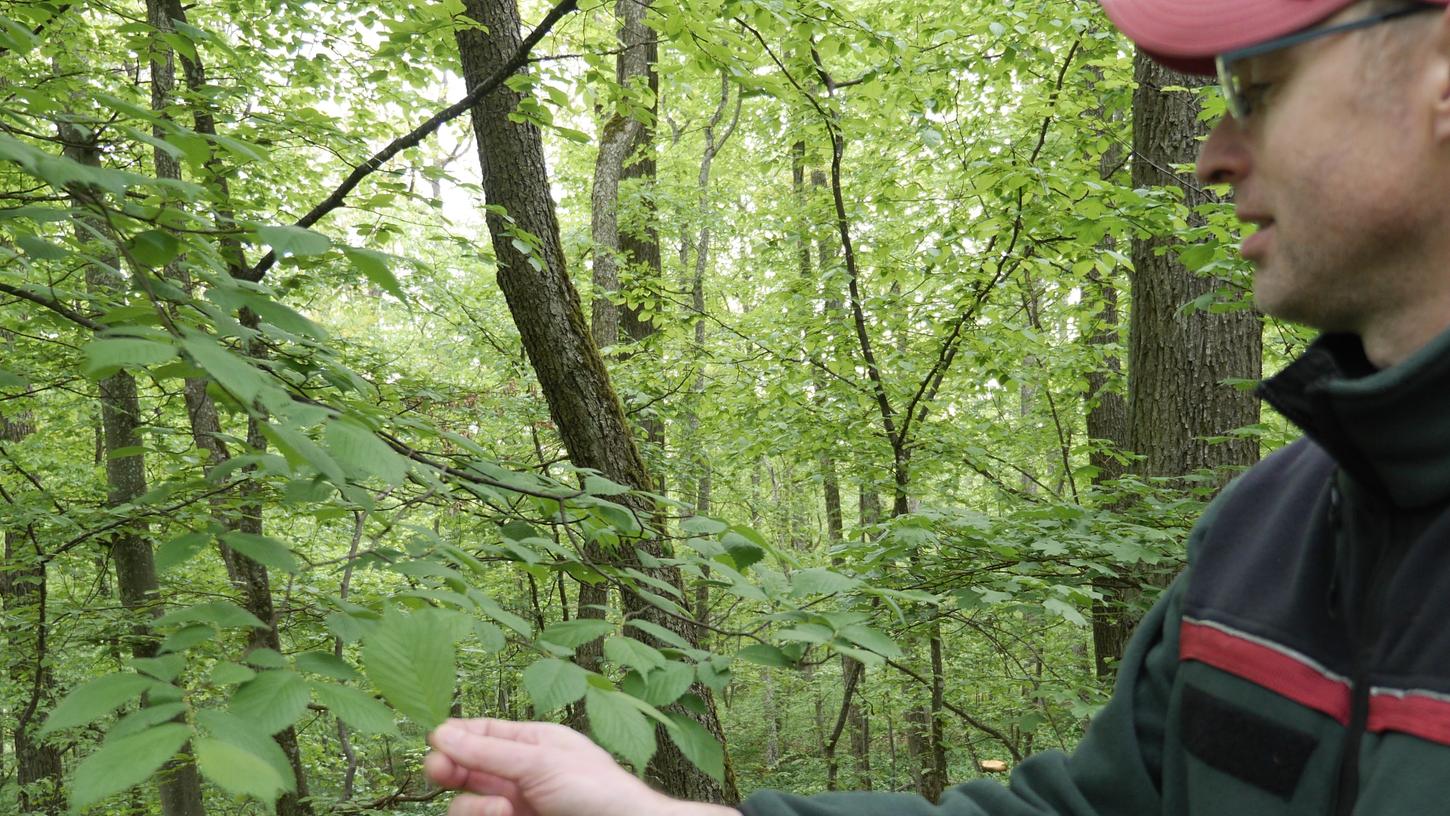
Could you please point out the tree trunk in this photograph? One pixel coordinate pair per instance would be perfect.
(1177, 363)
(130, 546)
(247, 575)
(26, 661)
(550, 320)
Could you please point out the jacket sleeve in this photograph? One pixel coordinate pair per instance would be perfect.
(1115, 771)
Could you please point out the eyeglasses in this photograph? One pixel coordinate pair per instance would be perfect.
(1238, 91)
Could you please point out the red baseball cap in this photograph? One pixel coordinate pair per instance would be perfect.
(1186, 35)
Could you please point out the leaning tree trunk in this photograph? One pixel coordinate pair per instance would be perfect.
(23, 609)
(1177, 364)
(550, 320)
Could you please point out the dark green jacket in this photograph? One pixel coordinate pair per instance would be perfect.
(1301, 664)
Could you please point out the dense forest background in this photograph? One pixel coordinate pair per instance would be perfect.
(798, 394)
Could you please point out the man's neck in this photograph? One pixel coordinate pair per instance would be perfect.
(1391, 340)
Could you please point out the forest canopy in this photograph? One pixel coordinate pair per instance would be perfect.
(795, 394)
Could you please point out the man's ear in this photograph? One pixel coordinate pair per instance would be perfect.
(1438, 77)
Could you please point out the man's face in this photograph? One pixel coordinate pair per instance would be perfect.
(1334, 165)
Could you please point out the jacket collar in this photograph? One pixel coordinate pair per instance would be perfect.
(1389, 430)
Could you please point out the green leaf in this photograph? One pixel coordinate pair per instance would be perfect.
(226, 674)
(410, 659)
(821, 581)
(577, 632)
(271, 701)
(142, 719)
(243, 734)
(355, 708)
(619, 726)
(666, 684)
(489, 636)
(374, 265)
(700, 525)
(664, 635)
(264, 550)
(300, 450)
(125, 762)
(872, 639)
(181, 549)
(95, 699)
(106, 356)
(238, 771)
(164, 668)
(327, 665)
(698, 745)
(294, 241)
(626, 651)
(238, 377)
(553, 683)
(187, 637)
(359, 449)
(224, 614)
(154, 248)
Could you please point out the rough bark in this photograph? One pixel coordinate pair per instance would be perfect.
(1177, 363)
(546, 308)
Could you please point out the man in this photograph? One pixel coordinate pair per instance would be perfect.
(1301, 665)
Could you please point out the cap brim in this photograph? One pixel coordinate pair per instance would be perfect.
(1186, 35)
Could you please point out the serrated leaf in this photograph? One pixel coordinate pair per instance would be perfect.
(409, 657)
(327, 665)
(664, 635)
(626, 651)
(553, 683)
(698, 745)
(95, 699)
(265, 550)
(238, 771)
(294, 241)
(265, 658)
(821, 581)
(872, 639)
(355, 708)
(226, 367)
(142, 719)
(361, 450)
(231, 729)
(225, 614)
(489, 636)
(164, 668)
(271, 701)
(118, 765)
(154, 248)
(700, 525)
(107, 355)
(226, 674)
(667, 683)
(618, 726)
(577, 632)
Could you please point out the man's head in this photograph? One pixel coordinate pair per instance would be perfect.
(1341, 152)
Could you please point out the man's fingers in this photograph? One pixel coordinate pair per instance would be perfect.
(466, 804)
(444, 772)
(504, 757)
(535, 733)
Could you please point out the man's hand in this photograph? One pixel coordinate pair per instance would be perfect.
(541, 769)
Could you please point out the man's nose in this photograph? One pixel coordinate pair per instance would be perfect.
(1224, 157)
